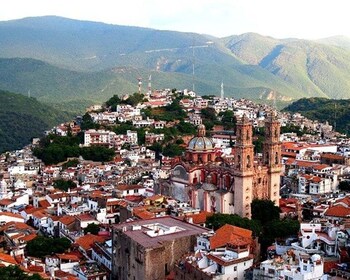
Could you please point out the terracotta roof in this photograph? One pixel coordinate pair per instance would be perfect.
(156, 197)
(332, 156)
(40, 214)
(85, 217)
(6, 202)
(35, 268)
(31, 210)
(16, 226)
(345, 200)
(142, 213)
(68, 257)
(44, 203)
(199, 218)
(320, 166)
(65, 275)
(338, 211)
(28, 237)
(7, 258)
(229, 234)
(67, 220)
(129, 187)
(116, 202)
(88, 240)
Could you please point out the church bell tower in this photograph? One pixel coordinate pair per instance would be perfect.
(243, 167)
(272, 156)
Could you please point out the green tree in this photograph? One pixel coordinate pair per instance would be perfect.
(344, 186)
(97, 153)
(13, 272)
(41, 246)
(264, 211)
(172, 150)
(92, 228)
(209, 114)
(88, 123)
(228, 120)
(113, 102)
(134, 99)
(64, 185)
(186, 128)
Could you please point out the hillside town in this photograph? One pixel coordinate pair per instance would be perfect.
(148, 212)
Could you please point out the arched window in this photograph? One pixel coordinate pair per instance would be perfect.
(248, 161)
(267, 157)
(239, 161)
(276, 158)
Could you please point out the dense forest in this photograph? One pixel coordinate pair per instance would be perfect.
(23, 118)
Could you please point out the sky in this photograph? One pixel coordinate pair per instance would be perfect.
(307, 19)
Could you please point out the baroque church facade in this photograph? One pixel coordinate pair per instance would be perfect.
(207, 181)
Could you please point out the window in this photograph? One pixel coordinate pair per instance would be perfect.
(235, 268)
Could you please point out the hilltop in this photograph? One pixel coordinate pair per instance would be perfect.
(72, 63)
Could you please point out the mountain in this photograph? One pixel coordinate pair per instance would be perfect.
(323, 109)
(339, 41)
(73, 63)
(316, 69)
(91, 47)
(23, 118)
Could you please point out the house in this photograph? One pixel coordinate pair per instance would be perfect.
(16, 235)
(101, 252)
(148, 249)
(86, 242)
(90, 271)
(6, 217)
(64, 262)
(6, 260)
(225, 254)
(292, 267)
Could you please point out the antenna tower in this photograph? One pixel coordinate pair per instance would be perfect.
(193, 64)
(139, 84)
(150, 84)
(222, 94)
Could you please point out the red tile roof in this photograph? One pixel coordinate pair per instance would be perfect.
(229, 234)
(338, 211)
(29, 237)
(44, 203)
(7, 258)
(68, 257)
(199, 218)
(67, 220)
(88, 240)
(345, 200)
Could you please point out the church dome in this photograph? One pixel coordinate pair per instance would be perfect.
(200, 142)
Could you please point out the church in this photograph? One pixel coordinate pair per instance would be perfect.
(207, 181)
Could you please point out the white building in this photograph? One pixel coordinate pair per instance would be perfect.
(99, 137)
(307, 268)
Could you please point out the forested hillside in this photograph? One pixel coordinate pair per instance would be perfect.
(334, 111)
(23, 118)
